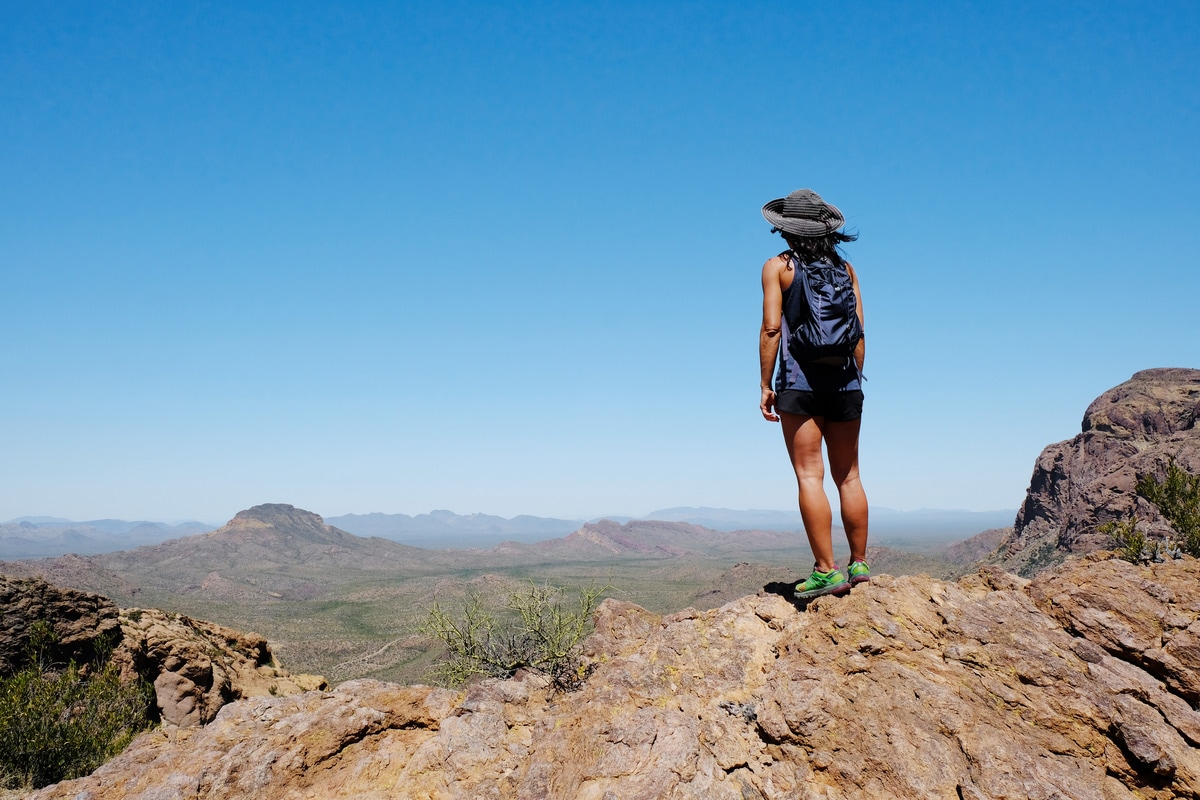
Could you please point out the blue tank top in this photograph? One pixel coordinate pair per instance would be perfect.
(808, 377)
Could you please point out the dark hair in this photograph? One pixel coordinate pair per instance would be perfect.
(811, 249)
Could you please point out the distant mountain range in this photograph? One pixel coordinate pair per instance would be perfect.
(345, 605)
(446, 529)
(277, 553)
(886, 523)
(46, 537)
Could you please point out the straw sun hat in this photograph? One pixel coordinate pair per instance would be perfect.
(803, 213)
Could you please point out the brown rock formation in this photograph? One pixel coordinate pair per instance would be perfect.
(195, 667)
(1080, 685)
(78, 620)
(1077, 485)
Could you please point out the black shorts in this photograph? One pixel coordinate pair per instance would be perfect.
(833, 406)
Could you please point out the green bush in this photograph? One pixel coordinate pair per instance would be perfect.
(539, 629)
(1130, 543)
(1178, 500)
(61, 722)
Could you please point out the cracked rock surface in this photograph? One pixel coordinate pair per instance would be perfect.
(1080, 684)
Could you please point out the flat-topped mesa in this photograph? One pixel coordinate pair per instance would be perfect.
(275, 514)
(1131, 430)
(283, 520)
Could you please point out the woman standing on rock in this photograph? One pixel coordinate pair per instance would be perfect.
(813, 322)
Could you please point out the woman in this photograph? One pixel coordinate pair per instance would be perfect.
(816, 402)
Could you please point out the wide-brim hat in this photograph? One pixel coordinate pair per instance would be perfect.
(803, 213)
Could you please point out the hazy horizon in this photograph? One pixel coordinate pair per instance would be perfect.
(47, 518)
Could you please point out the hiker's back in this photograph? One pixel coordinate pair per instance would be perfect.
(821, 313)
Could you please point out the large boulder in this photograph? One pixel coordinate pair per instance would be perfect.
(1129, 431)
(1081, 684)
(197, 667)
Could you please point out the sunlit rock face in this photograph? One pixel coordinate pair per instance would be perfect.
(1079, 684)
(1131, 430)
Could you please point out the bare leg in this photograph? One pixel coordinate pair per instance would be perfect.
(803, 438)
(841, 440)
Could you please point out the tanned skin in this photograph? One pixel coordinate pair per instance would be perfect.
(803, 434)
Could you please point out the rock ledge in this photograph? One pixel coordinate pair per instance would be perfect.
(1078, 685)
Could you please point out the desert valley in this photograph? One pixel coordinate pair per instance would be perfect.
(1026, 661)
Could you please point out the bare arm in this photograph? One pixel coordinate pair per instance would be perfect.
(860, 350)
(768, 335)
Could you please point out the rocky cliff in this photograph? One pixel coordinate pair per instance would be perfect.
(1077, 485)
(195, 667)
(1081, 684)
(79, 620)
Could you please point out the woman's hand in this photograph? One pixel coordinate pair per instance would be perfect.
(767, 405)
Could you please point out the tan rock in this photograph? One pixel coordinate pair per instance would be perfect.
(991, 687)
(197, 667)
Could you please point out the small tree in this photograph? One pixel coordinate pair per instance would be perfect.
(56, 722)
(1178, 500)
(1127, 540)
(540, 629)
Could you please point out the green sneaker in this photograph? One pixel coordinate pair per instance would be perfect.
(859, 572)
(822, 583)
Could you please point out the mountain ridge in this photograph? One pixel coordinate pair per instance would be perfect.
(441, 529)
(27, 538)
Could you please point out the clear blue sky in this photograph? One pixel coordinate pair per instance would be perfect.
(505, 258)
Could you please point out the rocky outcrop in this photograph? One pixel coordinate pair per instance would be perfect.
(79, 620)
(195, 667)
(1078, 485)
(1081, 685)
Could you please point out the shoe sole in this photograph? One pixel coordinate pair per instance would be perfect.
(812, 594)
(855, 581)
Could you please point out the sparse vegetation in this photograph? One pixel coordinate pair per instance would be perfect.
(1047, 554)
(540, 628)
(61, 721)
(1178, 500)
(1125, 538)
